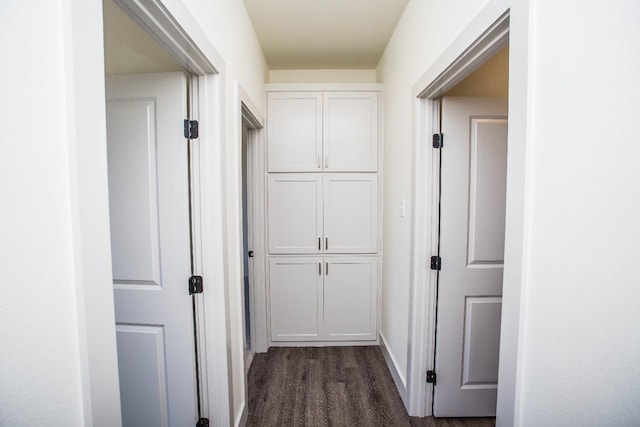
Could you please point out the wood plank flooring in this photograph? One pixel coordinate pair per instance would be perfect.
(331, 386)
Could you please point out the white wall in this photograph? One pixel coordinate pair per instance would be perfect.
(56, 306)
(424, 31)
(581, 336)
(322, 76)
(227, 24)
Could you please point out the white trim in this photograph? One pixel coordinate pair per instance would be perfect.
(84, 98)
(242, 416)
(323, 87)
(247, 112)
(324, 343)
(191, 49)
(216, 350)
(392, 364)
(467, 52)
(487, 33)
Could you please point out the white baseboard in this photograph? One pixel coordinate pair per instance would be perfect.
(242, 416)
(393, 367)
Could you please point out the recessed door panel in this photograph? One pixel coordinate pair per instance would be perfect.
(487, 191)
(142, 371)
(481, 342)
(133, 206)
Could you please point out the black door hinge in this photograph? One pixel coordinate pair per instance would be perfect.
(195, 285)
(203, 422)
(436, 263)
(431, 377)
(190, 129)
(438, 140)
(250, 254)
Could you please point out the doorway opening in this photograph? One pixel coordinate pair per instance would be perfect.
(252, 232)
(482, 43)
(248, 297)
(162, 174)
(470, 151)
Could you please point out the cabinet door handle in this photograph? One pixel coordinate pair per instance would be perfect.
(326, 269)
(326, 243)
(319, 244)
(319, 162)
(319, 268)
(326, 160)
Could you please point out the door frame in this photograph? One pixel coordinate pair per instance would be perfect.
(500, 22)
(247, 114)
(206, 66)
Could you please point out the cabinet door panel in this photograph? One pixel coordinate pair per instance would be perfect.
(295, 285)
(351, 213)
(350, 131)
(295, 213)
(350, 298)
(294, 132)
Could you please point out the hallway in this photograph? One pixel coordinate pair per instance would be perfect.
(330, 386)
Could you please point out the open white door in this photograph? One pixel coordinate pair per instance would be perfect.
(149, 209)
(472, 197)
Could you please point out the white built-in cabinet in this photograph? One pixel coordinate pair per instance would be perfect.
(323, 298)
(322, 132)
(323, 214)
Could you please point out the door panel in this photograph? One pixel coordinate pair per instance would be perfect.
(471, 246)
(481, 342)
(296, 298)
(295, 213)
(351, 213)
(294, 132)
(141, 356)
(350, 132)
(133, 208)
(487, 191)
(350, 298)
(149, 212)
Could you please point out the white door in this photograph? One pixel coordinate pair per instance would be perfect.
(296, 298)
(350, 298)
(473, 168)
(294, 132)
(295, 213)
(149, 212)
(350, 131)
(350, 213)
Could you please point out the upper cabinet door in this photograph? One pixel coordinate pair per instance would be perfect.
(294, 132)
(295, 213)
(350, 129)
(350, 213)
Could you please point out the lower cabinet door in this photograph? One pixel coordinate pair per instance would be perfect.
(350, 298)
(295, 285)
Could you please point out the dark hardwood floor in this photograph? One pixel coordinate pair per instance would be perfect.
(331, 386)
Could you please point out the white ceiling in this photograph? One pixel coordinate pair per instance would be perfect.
(324, 34)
